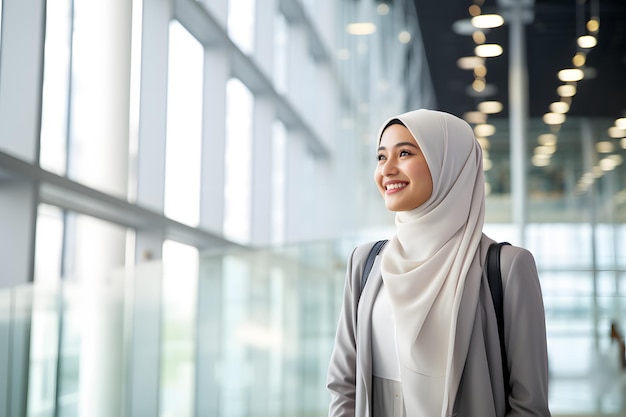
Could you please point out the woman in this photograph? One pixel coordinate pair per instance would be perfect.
(422, 338)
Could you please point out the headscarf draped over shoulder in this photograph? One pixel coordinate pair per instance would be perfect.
(433, 258)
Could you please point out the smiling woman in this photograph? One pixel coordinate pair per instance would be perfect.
(424, 339)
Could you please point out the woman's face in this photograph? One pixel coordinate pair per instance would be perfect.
(402, 175)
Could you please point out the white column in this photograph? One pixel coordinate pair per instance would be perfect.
(518, 114)
(144, 287)
(264, 35)
(297, 67)
(217, 71)
(99, 159)
(21, 57)
(299, 201)
(21, 68)
(262, 164)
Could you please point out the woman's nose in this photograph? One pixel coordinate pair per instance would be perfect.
(389, 168)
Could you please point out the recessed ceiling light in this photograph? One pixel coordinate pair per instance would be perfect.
(484, 130)
(566, 90)
(362, 28)
(488, 50)
(616, 132)
(559, 107)
(605, 146)
(474, 117)
(490, 107)
(553, 118)
(587, 41)
(547, 139)
(487, 21)
(571, 74)
(469, 62)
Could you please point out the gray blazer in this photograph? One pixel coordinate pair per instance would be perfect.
(479, 375)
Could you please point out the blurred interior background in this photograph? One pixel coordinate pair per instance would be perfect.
(182, 181)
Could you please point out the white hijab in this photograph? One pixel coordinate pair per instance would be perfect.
(434, 250)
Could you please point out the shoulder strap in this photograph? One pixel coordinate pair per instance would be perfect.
(369, 263)
(494, 276)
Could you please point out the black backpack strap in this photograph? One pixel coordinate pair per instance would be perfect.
(369, 263)
(494, 276)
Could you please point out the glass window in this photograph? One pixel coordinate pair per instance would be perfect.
(184, 127)
(280, 53)
(45, 324)
(241, 24)
(56, 86)
(279, 143)
(237, 187)
(180, 269)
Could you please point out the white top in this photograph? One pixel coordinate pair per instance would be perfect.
(385, 361)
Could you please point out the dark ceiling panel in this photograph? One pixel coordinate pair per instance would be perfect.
(551, 44)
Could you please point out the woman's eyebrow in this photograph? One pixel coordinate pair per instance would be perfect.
(398, 145)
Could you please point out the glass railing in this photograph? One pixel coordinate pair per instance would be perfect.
(251, 337)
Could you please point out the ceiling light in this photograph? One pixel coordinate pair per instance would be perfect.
(566, 90)
(547, 139)
(553, 118)
(616, 132)
(616, 158)
(479, 37)
(623, 143)
(470, 62)
(621, 123)
(474, 10)
(593, 25)
(484, 130)
(579, 59)
(487, 21)
(474, 117)
(489, 90)
(404, 37)
(571, 74)
(480, 71)
(479, 85)
(587, 41)
(382, 9)
(541, 160)
(607, 164)
(487, 164)
(489, 50)
(559, 107)
(545, 150)
(605, 146)
(490, 107)
(363, 28)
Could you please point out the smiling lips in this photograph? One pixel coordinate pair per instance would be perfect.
(395, 187)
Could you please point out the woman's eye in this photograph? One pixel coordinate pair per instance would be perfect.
(405, 153)
(380, 157)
